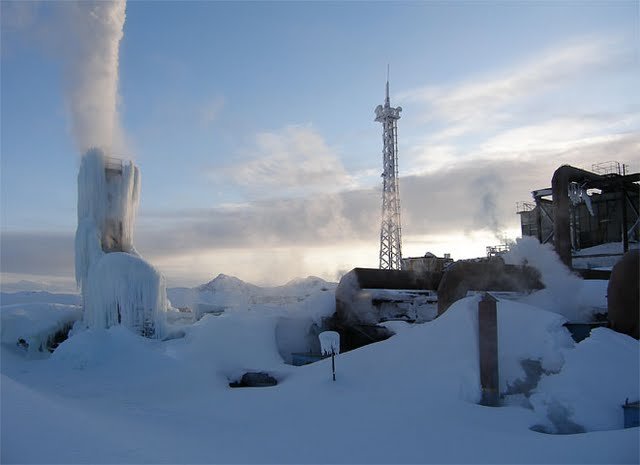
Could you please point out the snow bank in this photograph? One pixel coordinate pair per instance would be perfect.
(611, 253)
(34, 326)
(525, 333)
(232, 344)
(587, 394)
(111, 348)
(409, 399)
(562, 288)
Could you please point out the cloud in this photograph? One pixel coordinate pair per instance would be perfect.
(483, 102)
(457, 209)
(559, 135)
(468, 196)
(293, 161)
(42, 254)
(582, 139)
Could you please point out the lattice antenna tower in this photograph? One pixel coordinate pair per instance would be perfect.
(390, 230)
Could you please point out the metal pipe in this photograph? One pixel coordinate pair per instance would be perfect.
(561, 227)
(488, 350)
(625, 236)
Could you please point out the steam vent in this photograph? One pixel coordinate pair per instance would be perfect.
(118, 286)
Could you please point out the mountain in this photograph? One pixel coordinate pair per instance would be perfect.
(230, 292)
(29, 297)
(228, 284)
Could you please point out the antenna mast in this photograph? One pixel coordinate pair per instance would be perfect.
(390, 231)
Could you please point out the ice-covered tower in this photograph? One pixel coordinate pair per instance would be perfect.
(390, 231)
(118, 286)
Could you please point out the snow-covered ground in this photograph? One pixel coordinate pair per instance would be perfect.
(600, 256)
(112, 396)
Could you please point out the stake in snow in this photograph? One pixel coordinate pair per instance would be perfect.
(118, 286)
(330, 345)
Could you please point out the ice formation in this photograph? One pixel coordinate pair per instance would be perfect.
(125, 289)
(118, 286)
(329, 342)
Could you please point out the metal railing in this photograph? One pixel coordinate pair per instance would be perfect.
(522, 207)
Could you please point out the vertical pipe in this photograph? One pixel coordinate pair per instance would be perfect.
(488, 350)
(561, 228)
(539, 220)
(625, 234)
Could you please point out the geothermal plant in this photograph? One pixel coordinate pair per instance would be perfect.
(118, 286)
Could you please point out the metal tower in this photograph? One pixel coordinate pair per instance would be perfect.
(390, 231)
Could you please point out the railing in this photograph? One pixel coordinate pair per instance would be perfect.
(607, 168)
(522, 207)
(113, 165)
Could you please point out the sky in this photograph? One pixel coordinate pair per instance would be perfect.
(253, 126)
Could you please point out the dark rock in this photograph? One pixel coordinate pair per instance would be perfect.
(255, 379)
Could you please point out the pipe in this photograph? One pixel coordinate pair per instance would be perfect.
(559, 187)
(488, 350)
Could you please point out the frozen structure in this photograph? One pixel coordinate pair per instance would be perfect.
(118, 286)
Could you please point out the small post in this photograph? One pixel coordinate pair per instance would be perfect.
(488, 350)
(333, 364)
(330, 345)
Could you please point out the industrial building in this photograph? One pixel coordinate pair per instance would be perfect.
(427, 263)
(595, 207)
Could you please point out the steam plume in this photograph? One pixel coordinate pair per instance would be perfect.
(487, 189)
(95, 31)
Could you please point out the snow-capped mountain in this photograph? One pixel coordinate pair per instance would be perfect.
(225, 291)
(228, 284)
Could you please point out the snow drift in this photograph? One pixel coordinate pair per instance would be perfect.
(409, 399)
(34, 326)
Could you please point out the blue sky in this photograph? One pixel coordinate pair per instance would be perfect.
(253, 127)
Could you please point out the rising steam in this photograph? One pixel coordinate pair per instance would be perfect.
(486, 190)
(95, 31)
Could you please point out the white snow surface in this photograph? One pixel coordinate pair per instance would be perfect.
(591, 392)
(611, 253)
(111, 396)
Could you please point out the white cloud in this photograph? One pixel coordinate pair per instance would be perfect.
(488, 101)
(557, 135)
(521, 113)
